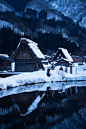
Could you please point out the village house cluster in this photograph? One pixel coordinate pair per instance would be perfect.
(28, 58)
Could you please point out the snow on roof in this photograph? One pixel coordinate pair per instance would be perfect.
(18, 45)
(47, 56)
(4, 55)
(67, 55)
(34, 47)
(44, 60)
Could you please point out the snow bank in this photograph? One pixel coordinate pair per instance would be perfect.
(28, 78)
(24, 79)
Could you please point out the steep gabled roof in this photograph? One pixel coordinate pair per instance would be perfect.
(32, 46)
(66, 54)
(35, 49)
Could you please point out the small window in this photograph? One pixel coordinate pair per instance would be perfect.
(24, 54)
(59, 54)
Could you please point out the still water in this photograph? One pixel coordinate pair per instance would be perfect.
(50, 109)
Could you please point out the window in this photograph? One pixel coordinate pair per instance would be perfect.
(59, 54)
(24, 54)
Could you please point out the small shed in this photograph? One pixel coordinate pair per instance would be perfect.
(63, 57)
(76, 58)
(27, 56)
(5, 62)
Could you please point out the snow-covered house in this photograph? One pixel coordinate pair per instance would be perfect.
(27, 56)
(63, 57)
(5, 62)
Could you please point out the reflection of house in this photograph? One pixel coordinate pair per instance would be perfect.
(27, 56)
(24, 101)
(63, 57)
(5, 62)
(27, 102)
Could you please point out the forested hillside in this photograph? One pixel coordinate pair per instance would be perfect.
(47, 41)
(8, 40)
(45, 25)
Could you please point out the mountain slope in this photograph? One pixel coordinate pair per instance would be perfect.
(7, 24)
(4, 6)
(53, 17)
(19, 5)
(74, 9)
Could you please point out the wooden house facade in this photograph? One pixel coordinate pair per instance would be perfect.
(27, 56)
(62, 57)
(5, 62)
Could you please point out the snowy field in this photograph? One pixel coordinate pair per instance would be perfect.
(56, 75)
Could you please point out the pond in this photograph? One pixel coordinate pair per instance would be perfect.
(48, 109)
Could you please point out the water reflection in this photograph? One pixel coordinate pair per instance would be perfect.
(27, 102)
(45, 109)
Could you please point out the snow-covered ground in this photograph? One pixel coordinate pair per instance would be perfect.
(23, 79)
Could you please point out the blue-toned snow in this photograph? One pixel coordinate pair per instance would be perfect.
(56, 75)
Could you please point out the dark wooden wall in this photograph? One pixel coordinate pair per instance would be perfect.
(5, 65)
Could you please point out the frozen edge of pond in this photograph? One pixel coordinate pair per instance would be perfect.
(60, 86)
(39, 77)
